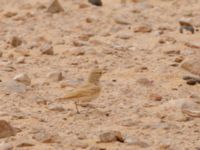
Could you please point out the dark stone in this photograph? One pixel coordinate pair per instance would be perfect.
(96, 2)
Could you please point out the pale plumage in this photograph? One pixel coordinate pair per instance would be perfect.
(87, 92)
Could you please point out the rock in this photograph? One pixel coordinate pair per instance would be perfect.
(57, 108)
(6, 146)
(79, 144)
(25, 143)
(97, 148)
(10, 14)
(111, 136)
(145, 82)
(47, 49)
(192, 65)
(6, 130)
(179, 59)
(122, 20)
(143, 29)
(16, 41)
(55, 76)
(13, 86)
(55, 7)
(191, 109)
(20, 60)
(134, 141)
(22, 78)
(96, 2)
(155, 97)
(185, 24)
(191, 82)
(193, 44)
(191, 79)
(44, 137)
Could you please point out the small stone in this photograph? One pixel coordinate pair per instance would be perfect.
(96, 2)
(6, 146)
(57, 108)
(134, 141)
(143, 29)
(155, 97)
(22, 78)
(191, 109)
(145, 82)
(44, 137)
(6, 130)
(97, 148)
(13, 86)
(25, 144)
(10, 14)
(179, 59)
(79, 144)
(20, 60)
(192, 65)
(16, 41)
(55, 76)
(111, 136)
(192, 44)
(47, 49)
(122, 20)
(191, 82)
(55, 7)
(185, 24)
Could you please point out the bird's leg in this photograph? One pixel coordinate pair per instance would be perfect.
(76, 104)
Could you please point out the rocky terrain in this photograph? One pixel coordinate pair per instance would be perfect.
(149, 50)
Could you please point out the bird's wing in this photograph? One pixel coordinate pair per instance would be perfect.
(82, 91)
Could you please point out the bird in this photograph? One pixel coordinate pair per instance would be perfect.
(87, 92)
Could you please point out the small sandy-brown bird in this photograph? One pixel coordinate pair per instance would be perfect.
(87, 92)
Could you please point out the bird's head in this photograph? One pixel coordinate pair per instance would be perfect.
(95, 75)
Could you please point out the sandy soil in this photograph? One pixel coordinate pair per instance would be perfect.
(139, 46)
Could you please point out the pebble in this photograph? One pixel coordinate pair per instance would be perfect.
(22, 78)
(13, 86)
(134, 141)
(16, 41)
(10, 14)
(97, 148)
(44, 137)
(57, 108)
(185, 24)
(96, 2)
(111, 136)
(55, 7)
(143, 29)
(179, 59)
(193, 44)
(20, 60)
(55, 76)
(191, 82)
(187, 78)
(25, 144)
(6, 146)
(155, 97)
(79, 144)
(47, 49)
(121, 20)
(191, 109)
(145, 82)
(192, 66)
(6, 130)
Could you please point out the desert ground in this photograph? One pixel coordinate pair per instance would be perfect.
(150, 87)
